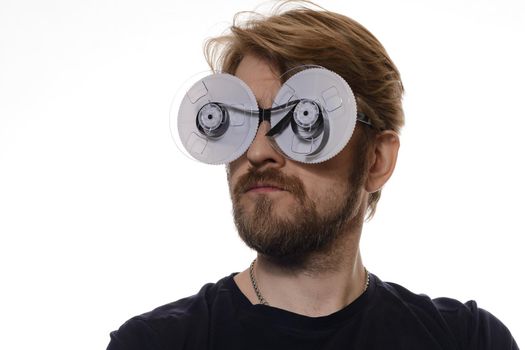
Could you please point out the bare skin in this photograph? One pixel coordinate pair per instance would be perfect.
(331, 279)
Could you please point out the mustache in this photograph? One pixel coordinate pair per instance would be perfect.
(253, 176)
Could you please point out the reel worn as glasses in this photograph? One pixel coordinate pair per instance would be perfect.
(217, 119)
(312, 117)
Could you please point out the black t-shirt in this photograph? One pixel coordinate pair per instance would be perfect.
(386, 316)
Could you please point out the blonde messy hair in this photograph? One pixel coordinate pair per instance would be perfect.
(295, 34)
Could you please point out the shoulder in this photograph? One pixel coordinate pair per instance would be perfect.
(482, 329)
(471, 327)
(174, 325)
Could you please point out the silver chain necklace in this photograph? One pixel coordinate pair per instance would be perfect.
(264, 302)
(255, 286)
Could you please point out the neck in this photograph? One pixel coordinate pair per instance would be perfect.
(320, 285)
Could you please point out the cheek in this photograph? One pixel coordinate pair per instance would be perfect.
(321, 176)
(234, 170)
(325, 189)
(327, 192)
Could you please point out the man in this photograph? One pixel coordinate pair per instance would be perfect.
(308, 287)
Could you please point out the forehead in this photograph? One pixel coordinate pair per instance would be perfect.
(261, 76)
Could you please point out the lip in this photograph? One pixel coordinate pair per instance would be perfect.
(264, 188)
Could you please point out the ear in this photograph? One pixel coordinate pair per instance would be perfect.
(383, 162)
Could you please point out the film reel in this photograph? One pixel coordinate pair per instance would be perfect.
(322, 120)
(217, 119)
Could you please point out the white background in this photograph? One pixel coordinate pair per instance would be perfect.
(101, 217)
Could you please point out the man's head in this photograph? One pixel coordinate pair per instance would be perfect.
(304, 208)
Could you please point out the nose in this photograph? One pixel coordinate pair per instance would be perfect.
(261, 153)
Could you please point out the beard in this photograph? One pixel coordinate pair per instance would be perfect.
(307, 228)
